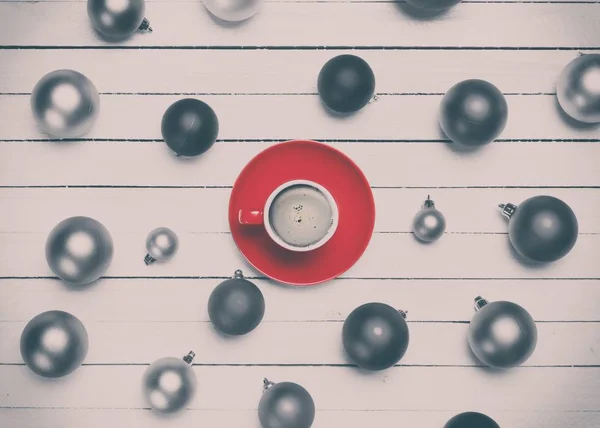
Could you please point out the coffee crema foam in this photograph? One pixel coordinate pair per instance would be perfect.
(301, 215)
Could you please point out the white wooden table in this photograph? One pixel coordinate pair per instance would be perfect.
(260, 77)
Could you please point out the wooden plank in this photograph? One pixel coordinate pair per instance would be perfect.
(293, 71)
(396, 165)
(388, 256)
(101, 418)
(402, 388)
(426, 300)
(395, 208)
(381, 24)
(560, 344)
(139, 117)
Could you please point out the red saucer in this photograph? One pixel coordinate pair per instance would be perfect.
(307, 160)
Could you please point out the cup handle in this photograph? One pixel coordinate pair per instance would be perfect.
(250, 217)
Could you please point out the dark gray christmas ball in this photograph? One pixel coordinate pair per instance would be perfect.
(542, 228)
(286, 405)
(236, 306)
(190, 127)
(375, 336)
(473, 113)
(471, 420)
(346, 84)
(433, 4)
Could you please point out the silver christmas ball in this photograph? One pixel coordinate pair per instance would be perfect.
(502, 334)
(54, 344)
(161, 244)
(285, 405)
(233, 10)
(79, 250)
(578, 89)
(169, 384)
(118, 19)
(429, 223)
(65, 104)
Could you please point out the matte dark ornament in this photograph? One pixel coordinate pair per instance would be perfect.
(375, 336)
(118, 19)
(236, 306)
(346, 84)
(542, 228)
(471, 420)
(502, 335)
(429, 223)
(473, 113)
(54, 344)
(190, 127)
(433, 4)
(79, 250)
(578, 89)
(169, 384)
(285, 405)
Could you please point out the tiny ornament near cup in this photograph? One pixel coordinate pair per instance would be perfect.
(299, 215)
(162, 244)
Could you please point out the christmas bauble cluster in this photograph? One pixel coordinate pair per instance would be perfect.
(375, 336)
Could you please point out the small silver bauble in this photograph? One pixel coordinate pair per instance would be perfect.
(118, 19)
(501, 334)
(65, 104)
(233, 10)
(578, 89)
(285, 405)
(54, 344)
(79, 250)
(429, 223)
(161, 244)
(169, 384)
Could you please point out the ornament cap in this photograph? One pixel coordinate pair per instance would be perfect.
(189, 358)
(428, 203)
(145, 26)
(480, 302)
(508, 209)
(238, 274)
(374, 99)
(149, 259)
(267, 384)
(403, 313)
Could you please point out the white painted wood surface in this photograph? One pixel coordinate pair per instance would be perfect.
(264, 91)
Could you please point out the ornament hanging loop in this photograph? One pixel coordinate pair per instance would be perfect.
(267, 384)
(508, 209)
(238, 274)
(480, 302)
(428, 203)
(374, 99)
(189, 358)
(145, 26)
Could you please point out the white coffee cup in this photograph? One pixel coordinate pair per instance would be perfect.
(299, 215)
